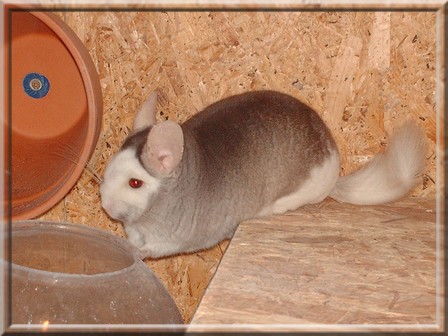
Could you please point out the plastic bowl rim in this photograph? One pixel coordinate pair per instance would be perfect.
(80, 229)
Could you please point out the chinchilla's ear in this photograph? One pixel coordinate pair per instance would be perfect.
(164, 148)
(146, 116)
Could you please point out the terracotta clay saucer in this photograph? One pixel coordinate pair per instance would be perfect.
(53, 111)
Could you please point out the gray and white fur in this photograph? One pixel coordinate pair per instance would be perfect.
(246, 156)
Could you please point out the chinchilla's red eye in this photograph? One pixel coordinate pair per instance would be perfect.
(135, 183)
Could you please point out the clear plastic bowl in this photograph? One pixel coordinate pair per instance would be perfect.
(73, 274)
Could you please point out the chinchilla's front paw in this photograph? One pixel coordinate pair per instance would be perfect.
(134, 237)
(159, 249)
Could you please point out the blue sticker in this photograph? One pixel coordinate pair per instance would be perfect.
(36, 85)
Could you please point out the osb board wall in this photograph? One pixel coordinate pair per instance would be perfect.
(364, 72)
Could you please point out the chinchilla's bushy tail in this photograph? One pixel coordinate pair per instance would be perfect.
(389, 175)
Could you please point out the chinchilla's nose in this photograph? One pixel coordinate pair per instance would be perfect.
(111, 210)
(106, 205)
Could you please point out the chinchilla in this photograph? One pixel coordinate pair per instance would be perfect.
(184, 188)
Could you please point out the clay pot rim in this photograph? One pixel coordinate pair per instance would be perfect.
(93, 92)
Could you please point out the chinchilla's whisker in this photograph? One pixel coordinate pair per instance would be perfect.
(65, 151)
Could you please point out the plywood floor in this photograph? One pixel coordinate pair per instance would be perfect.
(326, 267)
